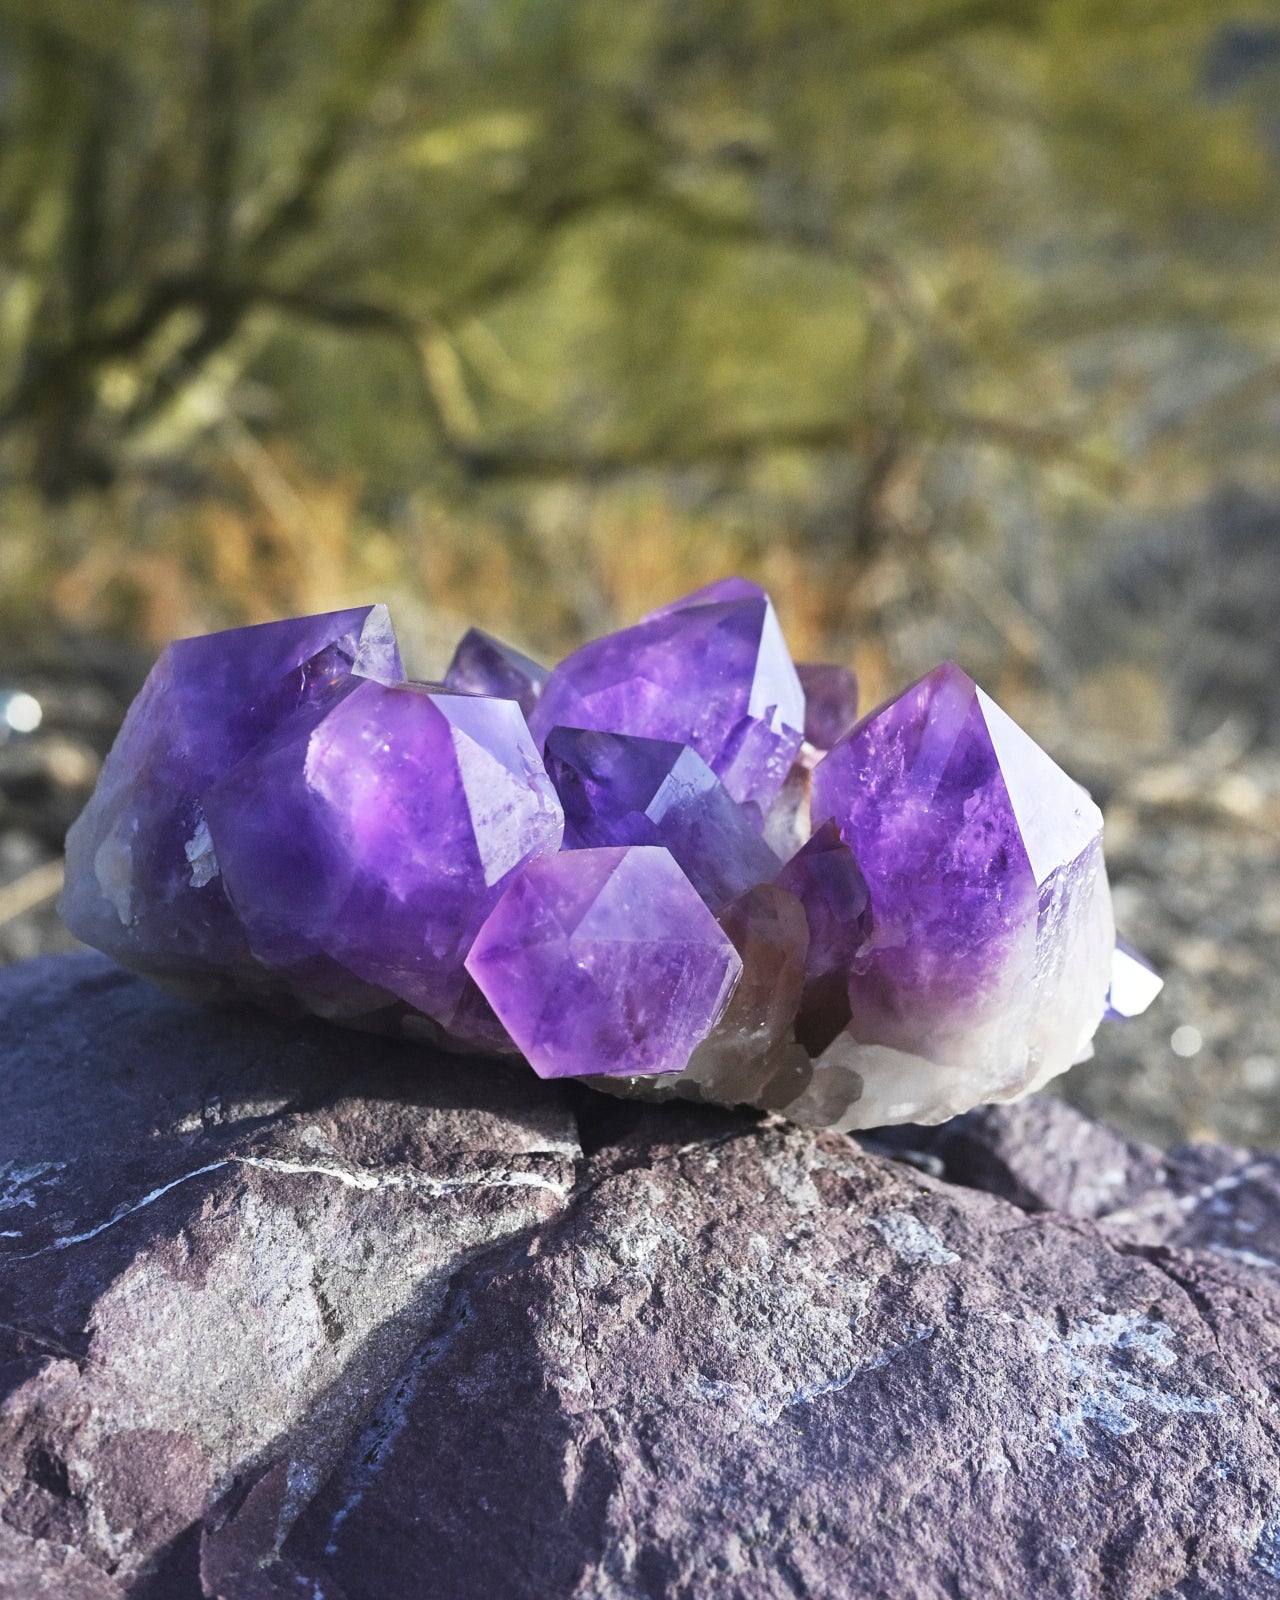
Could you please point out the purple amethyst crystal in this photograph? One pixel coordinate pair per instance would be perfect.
(604, 961)
(284, 817)
(142, 879)
(830, 702)
(617, 789)
(991, 943)
(706, 671)
(381, 833)
(484, 665)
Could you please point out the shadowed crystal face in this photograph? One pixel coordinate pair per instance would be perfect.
(830, 702)
(381, 833)
(142, 877)
(484, 665)
(991, 941)
(618, 790)
(707, 671)
(604, 961)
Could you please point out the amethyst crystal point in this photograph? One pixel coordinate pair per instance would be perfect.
(829, 885)
(711, 673)
(992, 936)
(382, 833)
(484, 665)
(617, 789)
(1134, 983)
(830, 702)
(604, 961)
(143, 881)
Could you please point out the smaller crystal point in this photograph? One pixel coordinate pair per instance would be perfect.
(484, 665)
(617, 789)
(604, 961)
(1134, 983)
(711, 671)
(830, 702)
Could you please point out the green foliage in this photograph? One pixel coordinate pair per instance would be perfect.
(455, 244)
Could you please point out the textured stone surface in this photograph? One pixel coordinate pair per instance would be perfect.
(288, 1310)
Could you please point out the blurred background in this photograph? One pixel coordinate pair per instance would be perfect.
(954, 322)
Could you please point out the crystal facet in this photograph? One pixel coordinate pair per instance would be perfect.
(484, 665)
(604, 961)
(708, 672)
(689, 873)
(830, 702)
(617, 789)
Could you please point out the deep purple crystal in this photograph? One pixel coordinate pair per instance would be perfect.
(142, 882)
(604, 961)
(381, 833)
(709, 672)
(830, 701)
(484, 665)
(617, 790)
(828, 882)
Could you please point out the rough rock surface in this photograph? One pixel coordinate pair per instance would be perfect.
(287, 1311)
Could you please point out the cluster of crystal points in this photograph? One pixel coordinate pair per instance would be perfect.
(675, 864)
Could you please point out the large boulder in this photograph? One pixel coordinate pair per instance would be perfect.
(289, 1311)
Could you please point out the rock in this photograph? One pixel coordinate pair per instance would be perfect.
(289, 1310)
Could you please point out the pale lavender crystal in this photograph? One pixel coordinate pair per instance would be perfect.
(604, 961)
(381, 833)
(707, 671)
(617, 789)
(484, 665)
(830, 701)
(142, 879)
(1134, 983)
(992, 936)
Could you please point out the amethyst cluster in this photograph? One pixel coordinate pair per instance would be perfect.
(677, 863)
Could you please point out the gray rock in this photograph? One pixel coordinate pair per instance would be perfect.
(285, 1311)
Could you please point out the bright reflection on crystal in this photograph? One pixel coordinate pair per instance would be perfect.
(690, 872)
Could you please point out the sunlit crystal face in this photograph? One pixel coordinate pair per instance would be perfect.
(711, 673)
(604, 961)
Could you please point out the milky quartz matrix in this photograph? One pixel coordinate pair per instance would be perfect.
(675, 864)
